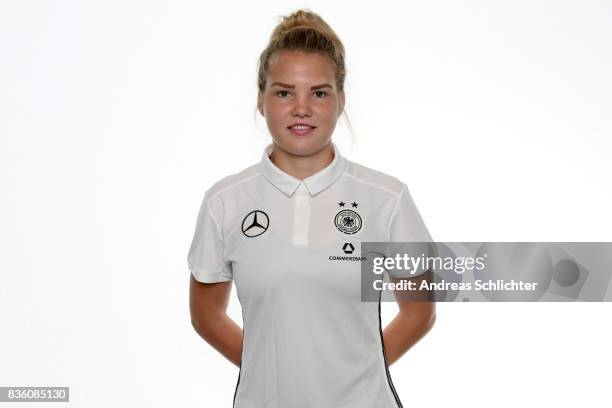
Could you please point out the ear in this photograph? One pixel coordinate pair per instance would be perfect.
(260, 103)
(342, 100)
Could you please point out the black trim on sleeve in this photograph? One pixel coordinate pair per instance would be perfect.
(397, 400)
(240, 371)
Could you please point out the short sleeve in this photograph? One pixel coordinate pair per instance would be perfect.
(407, 225)
(206, 253)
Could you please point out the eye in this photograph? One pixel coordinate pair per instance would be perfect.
(321, 92)
(280, 92)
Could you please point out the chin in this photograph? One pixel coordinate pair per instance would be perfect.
(301, 146)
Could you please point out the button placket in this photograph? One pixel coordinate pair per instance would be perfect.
(301, 216)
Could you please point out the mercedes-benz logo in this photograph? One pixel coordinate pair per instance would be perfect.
(255, 223)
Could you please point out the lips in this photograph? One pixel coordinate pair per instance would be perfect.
(301, 126)
(301, 129)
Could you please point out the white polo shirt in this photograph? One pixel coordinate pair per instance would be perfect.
(309, 340)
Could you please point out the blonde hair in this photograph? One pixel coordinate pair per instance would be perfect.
(304, 30)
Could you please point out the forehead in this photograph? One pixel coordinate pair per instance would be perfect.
(298, 67)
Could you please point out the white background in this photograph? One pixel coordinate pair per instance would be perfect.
(116, 116)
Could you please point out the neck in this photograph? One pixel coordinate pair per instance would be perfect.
(302, 167)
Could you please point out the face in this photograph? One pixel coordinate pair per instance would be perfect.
(301, 88)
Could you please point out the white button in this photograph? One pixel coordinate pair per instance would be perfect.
(301, 190)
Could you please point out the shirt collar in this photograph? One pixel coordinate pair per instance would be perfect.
(314, 183)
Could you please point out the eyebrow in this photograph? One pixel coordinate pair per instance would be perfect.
(293, 86)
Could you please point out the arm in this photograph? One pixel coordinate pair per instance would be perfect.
(417, 313)
(412, 322)
(208, 304)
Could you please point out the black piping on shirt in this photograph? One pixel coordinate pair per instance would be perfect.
(239, 371)
(397, 400)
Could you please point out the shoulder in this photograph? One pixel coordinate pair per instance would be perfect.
(374, 179)
(232, 183)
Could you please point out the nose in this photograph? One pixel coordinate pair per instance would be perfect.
(301, 106)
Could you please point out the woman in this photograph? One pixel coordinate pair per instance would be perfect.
(287, 230)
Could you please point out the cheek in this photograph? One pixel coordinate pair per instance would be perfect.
(276, 117)
(328, 112)
(276, 107)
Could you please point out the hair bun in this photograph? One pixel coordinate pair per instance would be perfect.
(303, 30)
(299, 19)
